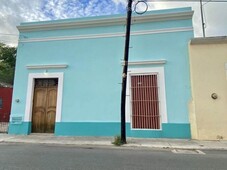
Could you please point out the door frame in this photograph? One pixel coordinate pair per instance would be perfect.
(162, 92)
(30, 93)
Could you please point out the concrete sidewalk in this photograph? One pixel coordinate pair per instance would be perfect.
(107, 142)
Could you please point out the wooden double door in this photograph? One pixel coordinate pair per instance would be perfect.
(44, 105)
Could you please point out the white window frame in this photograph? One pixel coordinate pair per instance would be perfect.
(162, 93)
(30, 93)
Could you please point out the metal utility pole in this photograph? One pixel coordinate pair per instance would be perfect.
(125, 70)
(203, 24)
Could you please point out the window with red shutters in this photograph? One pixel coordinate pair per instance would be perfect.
(145, 102)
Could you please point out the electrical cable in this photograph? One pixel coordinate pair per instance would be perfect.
(4, 34)
(215, 1)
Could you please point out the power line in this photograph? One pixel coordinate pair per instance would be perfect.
(4, 34)
(216, 1)
(2, 40)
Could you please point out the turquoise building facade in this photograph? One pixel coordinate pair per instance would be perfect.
(85, 55)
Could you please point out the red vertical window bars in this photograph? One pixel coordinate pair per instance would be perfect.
(145, 102)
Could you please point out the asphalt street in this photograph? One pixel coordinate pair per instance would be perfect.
(60, 157)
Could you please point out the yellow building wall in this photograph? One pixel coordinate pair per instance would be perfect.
(208, 117)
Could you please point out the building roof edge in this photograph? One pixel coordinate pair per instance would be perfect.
(209, 40)
(105, 21)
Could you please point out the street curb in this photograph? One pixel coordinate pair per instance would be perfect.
(108, 144)
(132, 143)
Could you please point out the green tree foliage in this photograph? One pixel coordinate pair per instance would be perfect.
(7, 63)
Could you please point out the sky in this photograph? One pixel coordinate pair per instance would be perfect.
(13, 12)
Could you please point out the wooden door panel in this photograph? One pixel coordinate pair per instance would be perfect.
(52, 97)
(39, 109)
(40, 97)
(44, 106)
(38, 120)
(51, 109)
(50, 121)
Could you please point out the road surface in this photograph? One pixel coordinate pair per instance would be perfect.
(65, 157)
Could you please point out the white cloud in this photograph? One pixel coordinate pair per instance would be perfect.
(13, 12)
(215, 18)
(58, 9)
(193, 5)
(215, 14)
(124, 2)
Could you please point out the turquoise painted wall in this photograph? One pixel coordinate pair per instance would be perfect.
(91, 91)
(169, 130)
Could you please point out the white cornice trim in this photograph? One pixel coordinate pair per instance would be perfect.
(57, 66)
(152, 62)
(106, 35)
(209, 40)
(104, 22)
